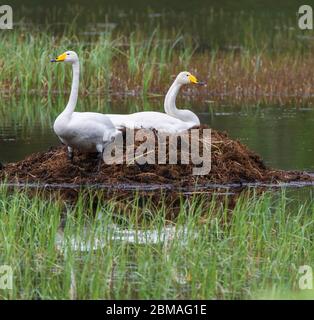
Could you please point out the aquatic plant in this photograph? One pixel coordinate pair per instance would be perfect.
(130, 249)
(250, 62)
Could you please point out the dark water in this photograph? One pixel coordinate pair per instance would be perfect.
(283, 136)
(211, 24)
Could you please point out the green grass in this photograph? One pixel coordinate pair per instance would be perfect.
(25, 66)
(254, 250)
(140, 57)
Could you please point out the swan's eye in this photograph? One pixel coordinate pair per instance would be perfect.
(68, 54)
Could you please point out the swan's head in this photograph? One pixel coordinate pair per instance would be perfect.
(186, 77)
(68, 56)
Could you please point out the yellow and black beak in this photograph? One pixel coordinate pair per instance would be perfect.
(194, 80)
(59, 58)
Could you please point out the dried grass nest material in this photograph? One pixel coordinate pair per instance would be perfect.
(232, 162)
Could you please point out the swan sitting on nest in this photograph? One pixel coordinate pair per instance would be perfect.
(172, 122)
(85, 131)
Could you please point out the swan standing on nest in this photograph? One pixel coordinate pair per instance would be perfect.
(173, 121)
(85, 131)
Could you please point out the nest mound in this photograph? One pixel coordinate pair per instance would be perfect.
(231, 162)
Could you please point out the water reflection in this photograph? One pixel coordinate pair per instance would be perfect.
(101, 237)
(86, 242)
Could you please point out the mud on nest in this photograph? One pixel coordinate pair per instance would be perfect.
(231, 162)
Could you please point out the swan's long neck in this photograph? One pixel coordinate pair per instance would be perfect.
(69, 109)
(170, 100)
(172, 110)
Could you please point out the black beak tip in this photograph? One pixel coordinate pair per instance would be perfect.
(201, 83)
(53, 60)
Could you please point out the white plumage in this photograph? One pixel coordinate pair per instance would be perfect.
(85, 131)
(173, 121)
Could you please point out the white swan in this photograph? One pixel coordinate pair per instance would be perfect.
(173, 121)
(86, 131)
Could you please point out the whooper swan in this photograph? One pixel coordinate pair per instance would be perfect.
(173, 121)
(85, 131)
